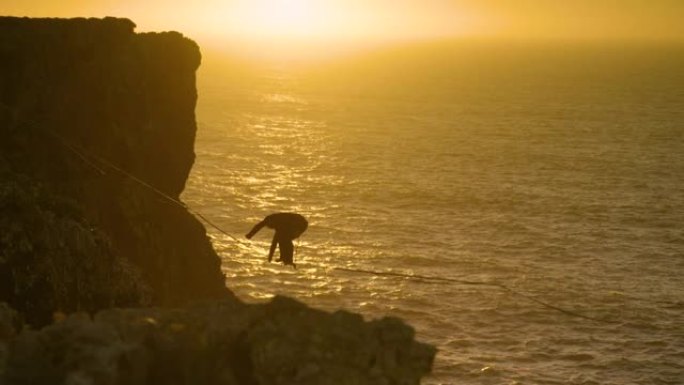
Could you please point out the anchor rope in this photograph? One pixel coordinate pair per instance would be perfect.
(481, 283)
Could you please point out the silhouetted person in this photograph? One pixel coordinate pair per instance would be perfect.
(287, 226)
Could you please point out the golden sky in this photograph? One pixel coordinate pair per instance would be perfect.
(381, 19)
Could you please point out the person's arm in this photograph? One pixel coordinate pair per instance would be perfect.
(274, 242)
(255, 229)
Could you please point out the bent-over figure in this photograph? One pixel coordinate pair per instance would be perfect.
(287, 226)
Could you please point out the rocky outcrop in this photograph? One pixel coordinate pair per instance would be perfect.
(77, 234)
(226, 343)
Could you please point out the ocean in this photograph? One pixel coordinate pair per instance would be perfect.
(554, 170)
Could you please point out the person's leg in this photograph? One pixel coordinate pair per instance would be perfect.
(274, 242)
(286, 251)
(278, 238)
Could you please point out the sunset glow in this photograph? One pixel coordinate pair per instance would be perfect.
(292, 18)
(278, 21)
(330, 20)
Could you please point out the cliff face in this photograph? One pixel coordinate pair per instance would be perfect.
(77, 233)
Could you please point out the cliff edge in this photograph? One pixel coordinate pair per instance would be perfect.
(78, 234)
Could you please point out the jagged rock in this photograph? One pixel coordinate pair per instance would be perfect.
(8, 327)
(282, 342)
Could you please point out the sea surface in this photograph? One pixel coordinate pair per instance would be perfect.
(556, 171)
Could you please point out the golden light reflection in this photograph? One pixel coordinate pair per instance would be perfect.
(277, 22)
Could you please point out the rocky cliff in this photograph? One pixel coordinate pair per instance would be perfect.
(97, 132)
(75, 93)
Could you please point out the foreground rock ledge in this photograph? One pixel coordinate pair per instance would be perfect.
(282, 342)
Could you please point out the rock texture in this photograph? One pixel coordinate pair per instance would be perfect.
(77, 234)
(226, 343)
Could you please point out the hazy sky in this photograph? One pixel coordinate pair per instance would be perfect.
(381, 19)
